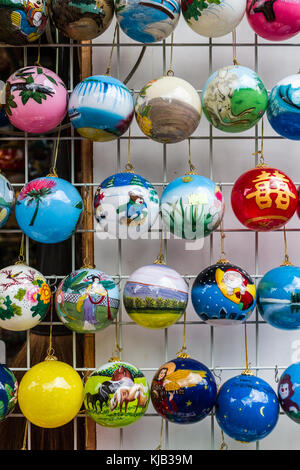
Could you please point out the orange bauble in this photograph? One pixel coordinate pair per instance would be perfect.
(264, 198)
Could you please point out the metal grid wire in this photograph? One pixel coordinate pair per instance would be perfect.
(119, 276)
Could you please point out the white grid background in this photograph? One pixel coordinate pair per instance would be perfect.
(221, 157)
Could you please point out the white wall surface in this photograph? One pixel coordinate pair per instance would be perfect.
(220, 346)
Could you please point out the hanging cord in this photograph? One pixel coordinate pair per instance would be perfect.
(181, 353)
(159, 447)
(192, 170)
(286, 255)
(136, 65)
(21, 257)
(129, 168)
(224, 446)
(112, 49)
(160, 259)
(117, 349)
(53, 171)
(247, 371)
(37, 62)
(170, 72)
(260, 152)
(50, 351)
(86, 258)
(235, 62)
(223, 259)
(25, 436)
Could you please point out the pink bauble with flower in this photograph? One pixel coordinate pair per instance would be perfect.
(275, 20)
(36, 99)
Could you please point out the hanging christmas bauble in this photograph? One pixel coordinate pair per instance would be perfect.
(12, 156)
(147, 21)
(8, 391)
(7, 199)
(223, 294)
(247, 408)
(289, 393)
(101, 108)
(36, 99)
(22, 21)
(234, 99)
(25, 297)
(116, 395)
(50, 394)
(155, 296)
(183, 391)
(87, 300)
(278, 297)
(48, 209)
(82, 20)
(275, 20)
(168, 110)
(126, 204)
(192, 206)
(213, 18)
(264, 198)
(283, 110)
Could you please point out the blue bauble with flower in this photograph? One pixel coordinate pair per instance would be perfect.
(247, 408)
(48, 209)
(101, 108)
(183, 390)
(278, 297)
(8, 391)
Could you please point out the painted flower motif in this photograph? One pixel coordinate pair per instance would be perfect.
(31, 295)
(45, 293)
(218, 194)
(34, 192)
(145, 124)
(2, 303)
(60, 298)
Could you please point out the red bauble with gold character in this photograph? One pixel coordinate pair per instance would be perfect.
(264, 198)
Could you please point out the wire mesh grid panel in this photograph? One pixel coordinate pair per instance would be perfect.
(216, 155)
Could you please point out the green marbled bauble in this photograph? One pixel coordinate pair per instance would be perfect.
(234, 99)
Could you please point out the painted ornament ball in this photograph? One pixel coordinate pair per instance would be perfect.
(278, 297)
(192, 206)
(116, 395)
(247, 408)
(7, 198)
(283, 109)
(274, 20)
(50, 394)
(155, 296)
(101, 108)
(125, 204)
(264, 199)
(168, 110)
(48, 209)
(234, 99)
(213, 18)
(87, 300)
(8, 392)
(147, 21)
(223, 294)
(82, 20)
(25, 297)
(36, 99)
(22, 21)
(183, 391)
(289, 393)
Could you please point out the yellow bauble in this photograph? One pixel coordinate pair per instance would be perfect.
(50, 394)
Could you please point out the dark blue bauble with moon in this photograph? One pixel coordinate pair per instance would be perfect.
(183, 391)
(247, 408)
(278, 297)
(223, 294)
(289, 391)
(283, 109)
